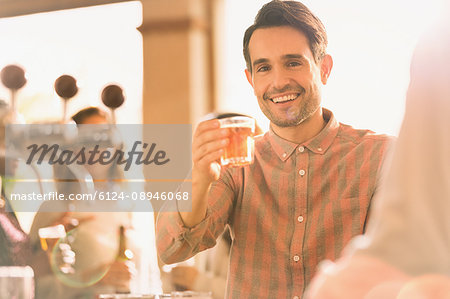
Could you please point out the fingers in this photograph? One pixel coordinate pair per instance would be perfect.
(206, 126)
(131, 268)
(209, 152)
(208, 143)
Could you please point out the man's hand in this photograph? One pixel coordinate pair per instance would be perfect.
(207, 147)
(208, 144)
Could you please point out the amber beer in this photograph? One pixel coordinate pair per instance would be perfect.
(50, 235)
(241, 148)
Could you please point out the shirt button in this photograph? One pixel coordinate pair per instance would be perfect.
(301, 149)
(296, 258)
(302, 172)
(300, 219)
(284, 155)
(295, 297)
(319, 149)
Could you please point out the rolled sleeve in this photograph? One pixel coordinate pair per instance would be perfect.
(176, 242)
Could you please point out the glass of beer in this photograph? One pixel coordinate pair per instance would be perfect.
(54, 242)
(50, 235)
(241, 148)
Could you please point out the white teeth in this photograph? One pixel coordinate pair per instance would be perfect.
(284, 98)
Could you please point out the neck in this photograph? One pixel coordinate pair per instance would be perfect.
(304, 131)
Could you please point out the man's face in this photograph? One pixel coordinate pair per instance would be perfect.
(285, 78)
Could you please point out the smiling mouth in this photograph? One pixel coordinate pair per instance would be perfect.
(284, 99)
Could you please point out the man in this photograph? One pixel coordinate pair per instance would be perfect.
(310, 187)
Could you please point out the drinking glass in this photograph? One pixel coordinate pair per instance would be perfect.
(241, 148)
(54, 240)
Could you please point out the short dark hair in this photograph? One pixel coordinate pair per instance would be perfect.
(289, 13)
(81, 115)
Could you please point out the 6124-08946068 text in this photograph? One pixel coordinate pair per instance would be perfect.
(102, 196)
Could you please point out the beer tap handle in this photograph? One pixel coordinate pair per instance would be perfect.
(113, 98)
(13, 78)
(66, 88)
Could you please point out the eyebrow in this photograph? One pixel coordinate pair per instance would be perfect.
(259, 61)
(286, 56)
(290, 56)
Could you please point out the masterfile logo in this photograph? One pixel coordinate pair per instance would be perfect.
(136, 167)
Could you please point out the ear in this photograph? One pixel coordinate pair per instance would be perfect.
(325, 68)
(249, 77)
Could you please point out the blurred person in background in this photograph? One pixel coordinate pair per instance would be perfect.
(15, 244)
(97, 235)
(406, 251)
(15, 249)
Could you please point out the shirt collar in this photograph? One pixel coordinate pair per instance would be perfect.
(319, 144)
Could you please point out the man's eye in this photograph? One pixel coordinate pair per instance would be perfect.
(294, 64)
(262, 69)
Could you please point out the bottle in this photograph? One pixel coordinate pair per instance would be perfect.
(123, 254)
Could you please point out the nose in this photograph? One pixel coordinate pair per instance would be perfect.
(280, 78)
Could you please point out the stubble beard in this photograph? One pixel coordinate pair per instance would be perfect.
(295, 115)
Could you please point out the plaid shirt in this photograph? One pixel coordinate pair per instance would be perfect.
(296, 205)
